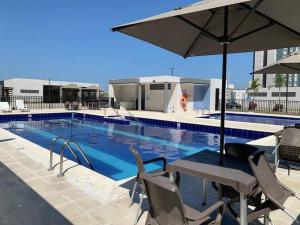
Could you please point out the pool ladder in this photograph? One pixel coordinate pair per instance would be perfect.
(68, 144)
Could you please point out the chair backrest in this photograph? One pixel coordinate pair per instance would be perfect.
(239, 150)
(138, 159)
(20, 104)
(166, 205)
(289, 145)
(266, 178)
(4, 106)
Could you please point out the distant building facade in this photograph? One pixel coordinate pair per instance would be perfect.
(49, 90)
(268, 91)
(166, 93)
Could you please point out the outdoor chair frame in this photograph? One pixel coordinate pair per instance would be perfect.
(274, 191)
(287, 150)
(167, 207)
(141, 169)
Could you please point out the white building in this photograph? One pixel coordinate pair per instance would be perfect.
(268, 91)
(166, 93)
(58, 90)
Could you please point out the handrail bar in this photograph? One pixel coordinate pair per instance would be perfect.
(71, 149)
(54, 140)
(129, 113)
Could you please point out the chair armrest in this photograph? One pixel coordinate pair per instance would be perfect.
(275, 149)
(157, 160)
(194, 215)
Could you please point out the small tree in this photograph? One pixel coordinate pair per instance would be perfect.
(279, 81)
(254, 85)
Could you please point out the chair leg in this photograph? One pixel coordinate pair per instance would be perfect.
(204, 193)
(292, 216)
(132, 194)
(139, 208)
(267, 220)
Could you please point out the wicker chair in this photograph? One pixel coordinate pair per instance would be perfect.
(167, 207)
(287, 151)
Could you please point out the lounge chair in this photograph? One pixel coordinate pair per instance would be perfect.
(242, 152)
(20, 106)
(4, 107)
(141, 169)
(287, 151)
(278, 108)
(167, 207)
(275, 192)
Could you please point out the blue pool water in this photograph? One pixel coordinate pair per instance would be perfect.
(106, 144)
(275, 120)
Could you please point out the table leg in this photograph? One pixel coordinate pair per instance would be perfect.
(172, 178)
(204, 191)
(243, 209)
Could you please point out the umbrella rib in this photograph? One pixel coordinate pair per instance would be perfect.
(252, 32)
(271, 19)
(290, 67)
(258, 3)
(205, 32)
(198, 36)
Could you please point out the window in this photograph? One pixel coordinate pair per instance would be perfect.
(265, 62)
(26, 91)
(257, 94)
(283, 94)
(159, 86)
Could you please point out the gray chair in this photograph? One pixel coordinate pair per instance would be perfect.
(241, 152)
(275, 192)
(141, 169)
(167, 207)
(287, 151)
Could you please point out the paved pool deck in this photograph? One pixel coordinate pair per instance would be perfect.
(86, 197)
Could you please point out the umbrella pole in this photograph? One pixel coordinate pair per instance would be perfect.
(224, 75)
(286, 92)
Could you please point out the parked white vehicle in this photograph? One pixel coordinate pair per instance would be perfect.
(4, 107)
(20, 106)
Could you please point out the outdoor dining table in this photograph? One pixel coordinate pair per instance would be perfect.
(233, 172)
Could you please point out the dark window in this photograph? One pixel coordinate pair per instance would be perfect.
(26, 91)
(283, 94)
(257, 94)
(54, 94)
(159, 86)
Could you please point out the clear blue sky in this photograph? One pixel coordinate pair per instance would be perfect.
(71, 40)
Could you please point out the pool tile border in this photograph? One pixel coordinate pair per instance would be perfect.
(249, 134)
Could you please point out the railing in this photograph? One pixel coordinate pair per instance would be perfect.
(264, 106)
(79, 149)
(117, 107)
(39, 102)
(67, 143)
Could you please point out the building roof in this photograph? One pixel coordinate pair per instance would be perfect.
(159, 79)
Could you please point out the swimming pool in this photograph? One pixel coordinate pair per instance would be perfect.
(275, 120)
(106, 144)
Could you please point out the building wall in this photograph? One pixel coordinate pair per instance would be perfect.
(273, 56)
(33, 84)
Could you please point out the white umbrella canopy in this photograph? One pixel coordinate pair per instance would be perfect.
(221, 27)
(288, 65)
(199, 28)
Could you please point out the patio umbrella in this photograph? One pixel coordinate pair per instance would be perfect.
(221, 27)
(287, 65)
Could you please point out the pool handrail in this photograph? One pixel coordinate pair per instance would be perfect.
(79, 149)
(54, 140)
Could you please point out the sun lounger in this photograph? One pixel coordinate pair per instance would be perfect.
(20, 106)
(4, 107)
(167, 207)
(275, 192)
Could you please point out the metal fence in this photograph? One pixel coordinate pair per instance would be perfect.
(264, 106)
(38, 102)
